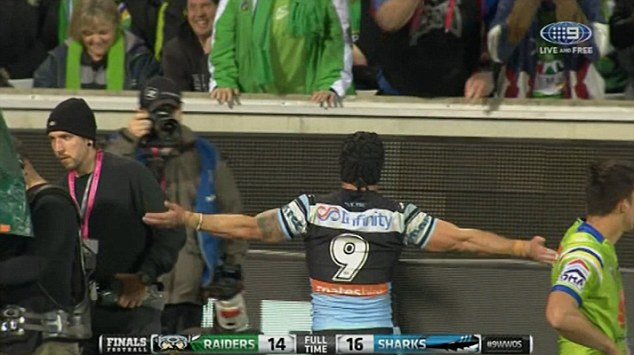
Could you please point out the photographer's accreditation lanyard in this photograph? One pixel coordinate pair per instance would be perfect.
(88, 199)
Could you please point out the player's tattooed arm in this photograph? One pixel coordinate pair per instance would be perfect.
(269, 226)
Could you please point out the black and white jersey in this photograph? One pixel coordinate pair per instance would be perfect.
(354, 237)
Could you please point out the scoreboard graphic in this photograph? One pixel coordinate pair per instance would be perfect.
(318, 344)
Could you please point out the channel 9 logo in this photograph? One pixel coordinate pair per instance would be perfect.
(566, 33)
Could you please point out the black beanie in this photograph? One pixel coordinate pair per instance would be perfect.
(73, 116)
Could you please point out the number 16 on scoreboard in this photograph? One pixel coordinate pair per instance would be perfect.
(437, 344)
(355, 344)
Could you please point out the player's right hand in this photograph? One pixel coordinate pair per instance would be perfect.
(223, 95)
(538, 251)
(175, 216)
(140, 124)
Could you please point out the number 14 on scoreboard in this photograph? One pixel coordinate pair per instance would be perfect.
(283, 344)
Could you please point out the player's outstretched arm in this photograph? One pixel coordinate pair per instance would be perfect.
(265, 226)
(564, 316)
(448, 237)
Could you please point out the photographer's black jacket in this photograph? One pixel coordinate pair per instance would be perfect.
(126, 191)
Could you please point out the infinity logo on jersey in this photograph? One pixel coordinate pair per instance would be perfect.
(370, 220)
(325, 213)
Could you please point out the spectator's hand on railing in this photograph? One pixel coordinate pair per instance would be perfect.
(227, 95)
(479, 85)
(326, 98)
(140, 124)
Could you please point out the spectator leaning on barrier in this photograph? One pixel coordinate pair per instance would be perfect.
(192, 172)
(280, 47)
(113, 194)
(587, 302)
(43, 274)
(185, 58)
(99, 55)
(351, 264)
(536, 68)
(432, 48)
(622, 38)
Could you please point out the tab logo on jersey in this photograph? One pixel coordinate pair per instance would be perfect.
(575, 273)
(372, 220)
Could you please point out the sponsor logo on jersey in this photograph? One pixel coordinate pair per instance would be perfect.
(372, 220)
(575, 273)
(349, 289)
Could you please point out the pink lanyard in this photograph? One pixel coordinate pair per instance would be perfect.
(449, 16)
(87, 203)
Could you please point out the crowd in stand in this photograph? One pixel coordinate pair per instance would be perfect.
(324, 48)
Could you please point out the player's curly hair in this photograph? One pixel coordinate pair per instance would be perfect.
(609, 182)
(361, 159)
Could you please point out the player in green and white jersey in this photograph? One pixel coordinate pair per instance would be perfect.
(587, 304)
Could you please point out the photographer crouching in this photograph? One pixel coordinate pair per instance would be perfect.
(192, 172)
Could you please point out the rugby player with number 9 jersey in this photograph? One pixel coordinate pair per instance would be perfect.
(353, 238)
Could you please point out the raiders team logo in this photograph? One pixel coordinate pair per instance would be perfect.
(171, 343)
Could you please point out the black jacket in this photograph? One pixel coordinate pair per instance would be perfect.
(27, 33)
(126, 191)
(42, 273)
(622, 24)
(185, 62)
(145, 17)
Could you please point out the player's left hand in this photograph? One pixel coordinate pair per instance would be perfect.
(173, 217)
(537, 250)
(326, 98)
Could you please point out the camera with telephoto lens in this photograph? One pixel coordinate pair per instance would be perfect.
(166, 131)
(161, 98)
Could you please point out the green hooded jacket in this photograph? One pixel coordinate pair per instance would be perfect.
(241, 56)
